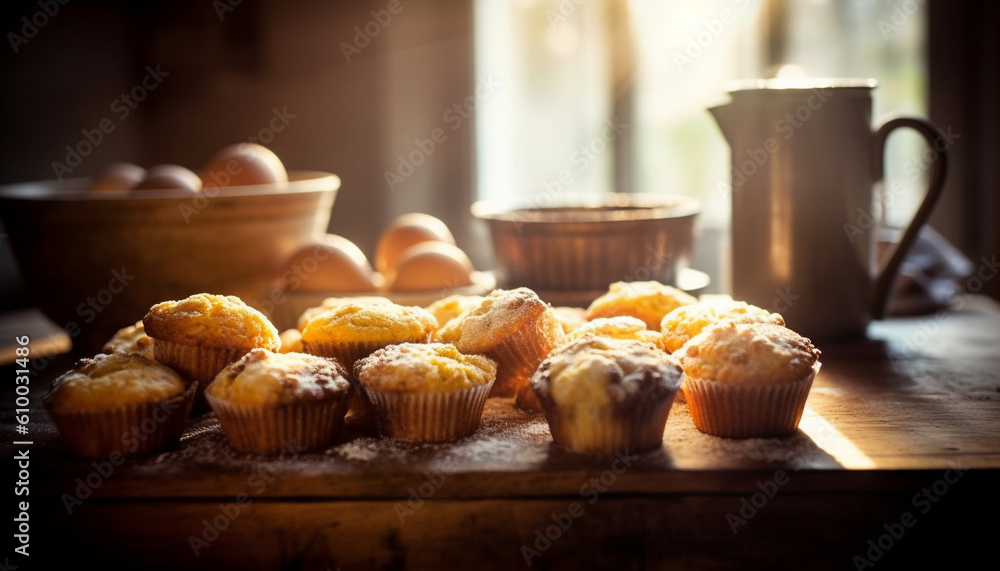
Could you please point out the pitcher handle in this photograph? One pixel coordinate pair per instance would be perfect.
(936, 140)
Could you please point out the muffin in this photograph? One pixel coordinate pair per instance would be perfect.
(426, 392)
(201, 334)
(444, 310)
(514, 328)
(648, 301)
(268, 402)
(603, 395)
(746, 380)
(131, 340)
(351, 331)
(331, 302)
(120, 404)
(683, 323)
(570, 317)
(621, 327)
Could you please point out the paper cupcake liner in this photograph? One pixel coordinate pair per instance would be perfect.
(195, 363)
(520, 354)
(605, 429)
(299, 427)
(747, 411)
(428, 417)
(135, 430)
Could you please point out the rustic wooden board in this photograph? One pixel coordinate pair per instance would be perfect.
(886, 418)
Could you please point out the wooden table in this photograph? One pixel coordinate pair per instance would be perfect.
(895, 465)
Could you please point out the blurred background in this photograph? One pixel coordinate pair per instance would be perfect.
(605, 94)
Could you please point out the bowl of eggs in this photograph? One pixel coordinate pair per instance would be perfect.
(416, 263)
(96, 253)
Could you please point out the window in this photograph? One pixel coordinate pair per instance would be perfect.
(652, 68)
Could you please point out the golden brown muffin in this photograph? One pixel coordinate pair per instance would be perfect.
(350, 331)
(514, 328)
(444, 310)
(207, 320)
(119, 404)
(648, 301)
(425, 392)
(268, 402)
(201, 334)
(131, 340)
(424, 368)
(621, 327)
(683, 323)
(570, 317)
(332, 302)
(745, 380)
(602, 394)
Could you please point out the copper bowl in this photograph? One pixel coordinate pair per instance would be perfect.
(586, 242)
(96, 262)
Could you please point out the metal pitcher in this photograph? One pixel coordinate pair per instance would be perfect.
(805, 161)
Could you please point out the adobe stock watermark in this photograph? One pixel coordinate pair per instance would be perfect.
(928, 328)
(902, 11)
(784, 298)
(257, 483)
(30, 26)
(712, 29)
(656, 261)
(787, 126)
(590, 491)
(923, 502)
(363, 35)
(753, 504)
(867, 219)
(454, 116)
(104, 469)
(88, 310)
(582, 159)
(279, 120)
(224, 7)
(120, 108)
(563, 13)
(419, 495)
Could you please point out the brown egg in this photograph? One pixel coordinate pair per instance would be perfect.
(334, 264)
(118, 177)
(432, 266)
(170, 177)
(244, 164)
(404, 232)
